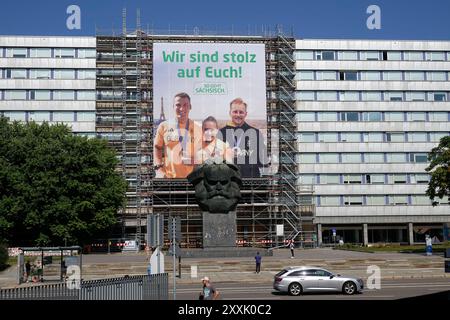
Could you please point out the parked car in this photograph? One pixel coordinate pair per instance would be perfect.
(296, 280)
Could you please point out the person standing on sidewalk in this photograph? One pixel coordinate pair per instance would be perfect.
(209, 292)
(258, 259)
(291, 246)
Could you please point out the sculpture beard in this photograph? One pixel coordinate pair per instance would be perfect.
(217, 187)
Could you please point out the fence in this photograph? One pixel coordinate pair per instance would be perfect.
(153, 287)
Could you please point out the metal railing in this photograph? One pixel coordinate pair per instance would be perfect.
(153, 287)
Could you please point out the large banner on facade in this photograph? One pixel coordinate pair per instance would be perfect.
(209, 104)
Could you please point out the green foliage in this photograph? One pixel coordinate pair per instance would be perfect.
(439, 168)
(56, 187)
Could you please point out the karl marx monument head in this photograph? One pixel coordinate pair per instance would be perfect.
(217, 186)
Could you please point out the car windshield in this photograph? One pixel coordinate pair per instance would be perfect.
(279, 274)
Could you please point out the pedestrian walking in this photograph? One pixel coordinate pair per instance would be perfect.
(258, 259)
(27, 271)
(209, 292)
(291, 246)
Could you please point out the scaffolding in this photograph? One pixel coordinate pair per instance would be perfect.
(125, 117)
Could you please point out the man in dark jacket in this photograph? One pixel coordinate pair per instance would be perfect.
(247, 142)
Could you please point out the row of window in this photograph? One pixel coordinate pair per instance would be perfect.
(377, 200)
(371, 96)
(49, 116)
(315, 137)
(47, 95)
(357, 157)
(21, 52)
(372, 55)
(372, 116)
(69, 74)
(357, 178)
(373, 75)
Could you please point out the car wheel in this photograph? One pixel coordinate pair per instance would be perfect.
(349, 288)
(295, 289)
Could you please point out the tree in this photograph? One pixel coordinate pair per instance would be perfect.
(439, 168)
(56, 188)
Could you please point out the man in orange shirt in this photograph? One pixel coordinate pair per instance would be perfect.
(177, 141)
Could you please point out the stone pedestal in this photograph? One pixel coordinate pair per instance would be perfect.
(219, 230)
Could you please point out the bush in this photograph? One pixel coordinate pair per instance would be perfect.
(3, 256)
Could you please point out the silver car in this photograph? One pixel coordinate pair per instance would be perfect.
(295, 280)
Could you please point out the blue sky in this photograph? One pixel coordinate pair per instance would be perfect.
(400, 19)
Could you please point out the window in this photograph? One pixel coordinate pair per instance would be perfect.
(353, 200)
(87, 53)
(349, 95)
(304, 95)
(352, 178)
(329, 179)
(304, 55)
(85, 116)
(63, 116)
(371, 96)
(375, 178)
(307, 158)
(348, 75)
(437, 96)
(63, 95)
(328, 158)
(330, 201)
(375, 200)
(392, 75)
(370, 75)
(436, 136)
(15, 115)
(302, 75)
(16, 52)
(415, 96)
(325, 55)
(420, 178)
(398, 199)
(420, 200)
(328, 137)
(414, 76)
(307, 179)
(307, 137)
(349, 116)
(39, 116)
(15, 95)
(65, 53)
(417, 137)
(351, 158)
(40, 53)
(306, 116)
(348, 55)
(64, 74)
(418, 157)
(374, 157)
(395, 137)
(416, 116)
(16, 74)
(393, 96)
(436, 76)
(393, 116)
(326, 75)
(373, 137)
(327, 116)
(326, 95)
(394, 55)
(40, 74)
(372, 116)
(396, 158)
(397, 178)
(86, 95)
(414, 56)
(435, 56)
(40, 95)
(350, 137)
(370, 55)
(438, 116)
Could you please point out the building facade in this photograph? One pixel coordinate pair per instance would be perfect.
(49, 79)
(368, 112)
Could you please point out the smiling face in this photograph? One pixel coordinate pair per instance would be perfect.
(238, 113)
(182, 107)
